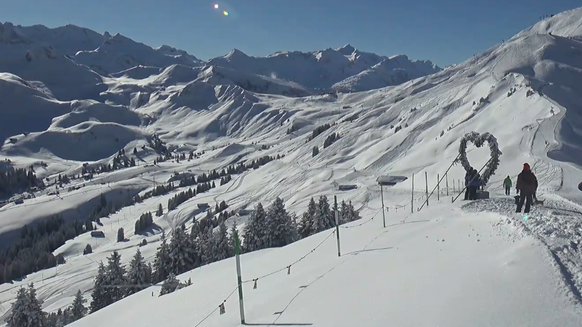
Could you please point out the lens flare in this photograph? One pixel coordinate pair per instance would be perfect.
(225, 13)
(216, 6)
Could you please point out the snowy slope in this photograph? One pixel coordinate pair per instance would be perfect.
(388, 72)
(525, 92)
(425, 271)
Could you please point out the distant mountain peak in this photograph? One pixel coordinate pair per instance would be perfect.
(235, 53)
(9, 34)
(346, 50)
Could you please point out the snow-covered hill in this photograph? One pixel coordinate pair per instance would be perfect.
(526, 92)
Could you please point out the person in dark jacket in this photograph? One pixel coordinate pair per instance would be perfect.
(527, 186)
(467, 180)
(474, 185)
(507, 184)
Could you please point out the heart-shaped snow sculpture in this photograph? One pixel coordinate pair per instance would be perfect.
(479, 140)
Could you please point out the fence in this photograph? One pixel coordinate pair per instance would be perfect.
(221, 308)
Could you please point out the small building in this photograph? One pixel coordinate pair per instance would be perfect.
(203, 206)
(97, 233)
(347, 187)
(19, 201)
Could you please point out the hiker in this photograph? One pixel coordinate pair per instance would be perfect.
(474, 185)
(507, 184)
(527, 185)
(468, 177)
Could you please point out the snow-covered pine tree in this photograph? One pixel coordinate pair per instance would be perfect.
(35, 316)
(324, 217)
(179, 253)
(98, 293)
(344, 214)
(18, 316)
(307, 223)
(353, 214)
(162, 261)
(279, 226)
(171, 284)
(223, 249)
(231, 236)
(120, 235)
(68, 316)
(139, 274)
(64, 318)
(193, 249)
(115, 275)
(78, 309)
(195, 231)
(255, 230)
(52, 319)
(208, 246)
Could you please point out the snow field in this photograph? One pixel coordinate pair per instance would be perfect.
(440, 266)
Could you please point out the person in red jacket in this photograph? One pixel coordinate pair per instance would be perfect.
(527, 186)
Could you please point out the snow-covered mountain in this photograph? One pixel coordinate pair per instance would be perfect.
(321, 70)
(289, 73)
(526, 92)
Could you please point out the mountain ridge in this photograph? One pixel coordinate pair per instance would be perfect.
(109, 55)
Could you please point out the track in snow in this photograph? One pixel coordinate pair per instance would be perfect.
(556, 224)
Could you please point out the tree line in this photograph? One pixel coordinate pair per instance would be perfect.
(186, 250)
(27, 311)
(18, 180)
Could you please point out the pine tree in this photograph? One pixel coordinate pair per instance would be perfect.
(223, 249)
(207, 245)
(324, 217)
(171, 284)
(179, 252)
(120, 235)
(307, 225)
(98, 294)
(193, 245)
(162, 261)
(344, 213)
(231, 237)
(78, 309)
(195, 231)
(114, 276)
(279, 226)
(19, 313)
(35, 316)
(353, 213)
(138, 274)
(254, 231)
(160, 211)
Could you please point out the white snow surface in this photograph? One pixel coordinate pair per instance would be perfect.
(460, 264)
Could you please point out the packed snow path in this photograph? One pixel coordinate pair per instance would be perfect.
(441, 267)
(557, 224)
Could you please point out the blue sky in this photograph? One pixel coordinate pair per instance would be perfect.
(444, 31)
